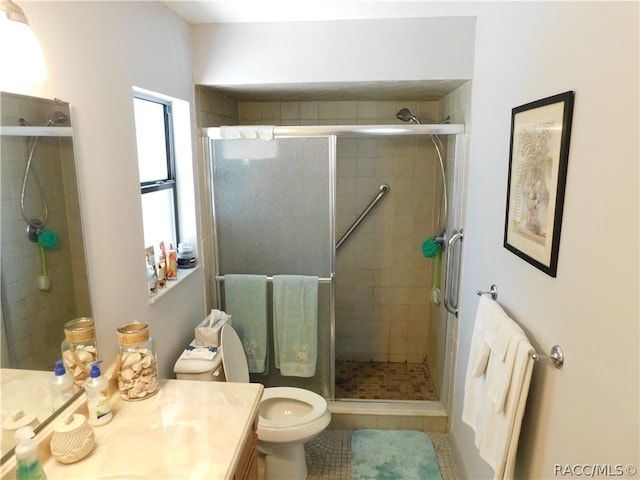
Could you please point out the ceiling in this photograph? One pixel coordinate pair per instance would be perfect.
(250, 11)
(256, 11)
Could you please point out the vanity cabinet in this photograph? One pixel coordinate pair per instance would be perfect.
(247, 468)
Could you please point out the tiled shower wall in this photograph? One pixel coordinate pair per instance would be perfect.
(383, 283)
(33, 320)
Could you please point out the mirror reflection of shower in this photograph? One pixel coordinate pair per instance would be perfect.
(36, 224)
(405, 115)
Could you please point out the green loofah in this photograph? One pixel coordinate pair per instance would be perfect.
(430, 247)
(48, 239)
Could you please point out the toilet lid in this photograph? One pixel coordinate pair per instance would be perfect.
(234, 359)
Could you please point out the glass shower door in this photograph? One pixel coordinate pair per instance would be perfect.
(273, 209)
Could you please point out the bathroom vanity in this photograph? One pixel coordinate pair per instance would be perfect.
(189, 429)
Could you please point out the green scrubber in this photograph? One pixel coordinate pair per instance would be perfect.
(430, 247)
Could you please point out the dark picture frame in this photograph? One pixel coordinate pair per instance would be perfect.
(538, 160)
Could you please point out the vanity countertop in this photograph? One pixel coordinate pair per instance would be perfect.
(189, 429)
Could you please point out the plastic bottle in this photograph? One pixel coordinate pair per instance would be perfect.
(61, 386)
(98, 397)
(29, 467)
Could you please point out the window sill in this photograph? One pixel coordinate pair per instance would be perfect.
(182, 274)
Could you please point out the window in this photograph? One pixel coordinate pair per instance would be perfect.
(156, 164)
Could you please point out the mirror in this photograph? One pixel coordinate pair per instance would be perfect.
(42, 255)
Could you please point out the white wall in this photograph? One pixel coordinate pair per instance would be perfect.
(587, 412)
(96, 52)
(342, 51)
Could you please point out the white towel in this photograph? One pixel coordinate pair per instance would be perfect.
(495, 331)
(497, 430)
(263, 132)
(295, 324)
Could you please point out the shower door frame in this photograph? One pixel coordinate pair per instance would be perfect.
(332, 132)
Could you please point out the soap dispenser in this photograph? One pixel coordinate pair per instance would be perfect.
(61, 386)
(29, 467)
(98, 397)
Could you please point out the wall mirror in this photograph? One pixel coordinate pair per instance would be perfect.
(42, 255)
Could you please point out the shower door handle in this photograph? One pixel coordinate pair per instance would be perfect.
(451, 275)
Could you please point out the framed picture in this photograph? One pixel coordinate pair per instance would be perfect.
(538, 158)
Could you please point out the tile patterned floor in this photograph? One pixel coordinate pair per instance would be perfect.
(383, 380)
(329, 456)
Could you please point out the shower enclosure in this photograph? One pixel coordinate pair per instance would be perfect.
(279, 207)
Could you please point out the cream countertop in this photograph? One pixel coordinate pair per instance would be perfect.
(188, 430)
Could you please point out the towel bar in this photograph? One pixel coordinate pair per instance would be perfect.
(220, 278)
(493, 291)
(556, 356)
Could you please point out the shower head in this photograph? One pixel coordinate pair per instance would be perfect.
(57, 118)
(405, 115)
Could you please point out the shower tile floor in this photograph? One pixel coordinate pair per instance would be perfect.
(329, 456)
(383, 380)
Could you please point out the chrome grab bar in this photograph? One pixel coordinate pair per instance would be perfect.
(451, 280)
(384, 189)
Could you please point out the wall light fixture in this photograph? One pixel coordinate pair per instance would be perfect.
(21, 58)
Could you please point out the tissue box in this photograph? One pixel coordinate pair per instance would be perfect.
(208, 331)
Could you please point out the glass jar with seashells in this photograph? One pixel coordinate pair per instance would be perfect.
(136, 366)
(79, 349)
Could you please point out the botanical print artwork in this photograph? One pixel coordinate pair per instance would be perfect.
(540, 133)
(535, 180)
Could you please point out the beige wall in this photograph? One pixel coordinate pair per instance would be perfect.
(587, 412)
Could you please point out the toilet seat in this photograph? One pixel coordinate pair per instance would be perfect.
(316, 404)
(234, 360)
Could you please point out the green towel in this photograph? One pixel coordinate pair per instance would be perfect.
(295, 324)
(246, 302)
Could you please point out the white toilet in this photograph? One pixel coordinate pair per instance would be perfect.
(288, 416)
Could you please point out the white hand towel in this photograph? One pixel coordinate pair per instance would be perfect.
(263, 132)
(499, 444)
(496, 431)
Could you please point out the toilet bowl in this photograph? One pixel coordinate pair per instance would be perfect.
(287, 417)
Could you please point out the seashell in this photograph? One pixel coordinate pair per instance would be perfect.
(130, 358)
(146, 362)
(137, 367)
(84, 356)
(127, 374)
(90, 348)
(69, 361)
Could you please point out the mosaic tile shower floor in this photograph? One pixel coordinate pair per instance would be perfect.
(383, 380)
(329, 456)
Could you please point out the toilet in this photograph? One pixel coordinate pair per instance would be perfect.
(288, 416)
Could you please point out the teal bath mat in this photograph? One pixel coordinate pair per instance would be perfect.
(393, 455)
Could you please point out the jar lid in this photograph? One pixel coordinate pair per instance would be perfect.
(79, 330)
(133, 333)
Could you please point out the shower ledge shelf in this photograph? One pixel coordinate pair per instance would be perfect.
(18, 131)
(380, 407)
